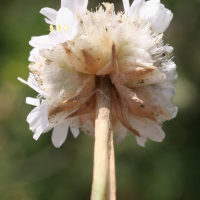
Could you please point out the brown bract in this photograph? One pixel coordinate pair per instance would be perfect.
(125, 100)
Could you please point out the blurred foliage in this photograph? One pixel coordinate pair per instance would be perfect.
(31, 170)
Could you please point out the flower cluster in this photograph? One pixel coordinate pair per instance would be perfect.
(83, 46)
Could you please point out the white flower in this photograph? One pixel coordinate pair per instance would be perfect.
(75, 6)
(38, 117)
(66, 27)
(128, 48)
(151, 11)
(38, 121)
(65, 21)
(31, 82)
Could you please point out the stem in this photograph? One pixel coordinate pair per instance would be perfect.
(104, 165)
(111, 187)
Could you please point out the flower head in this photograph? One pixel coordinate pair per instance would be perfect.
(126, 47)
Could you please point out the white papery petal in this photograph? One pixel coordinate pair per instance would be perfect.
(76, 6)
(37, 133)
(169, 68)
(34, 54)
(31, 80)
(38, 120)
(166, 21)
(175, 112)
(33, 84)
(59, 134)
(32, 101)
(126, 5)
(162, 21)
(155, 133)
(149, 10)
(41, 42)
(141, 140)
(75, 132)
(156, 14)
(74, 123)
(58, 37)
(169, 49)
(49, 21)
(135, 8)
(33, 118)
(64, 18)
(49, 13)
(74, 29)
(61, 37)
(147, 128)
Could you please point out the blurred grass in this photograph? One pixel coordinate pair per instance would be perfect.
(31, 170)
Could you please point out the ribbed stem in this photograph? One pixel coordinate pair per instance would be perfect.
(103, 186)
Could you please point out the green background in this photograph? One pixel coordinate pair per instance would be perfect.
(36, 170)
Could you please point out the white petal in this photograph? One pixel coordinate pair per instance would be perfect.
(164, 98)
(49, 13)
(37, 133)
(73, 29)
(147, 128)
(32, 101)
(74, 123)
(75, 132)
(58, 37)
(42, 129)
(126, 5)
(61, 37)
(59, 134)
(148, 11)
(34, 54)
(49, 21)
(64, 18)
(162, 21)
(155, 133)
(175, 112)
(38, 120)
(41, 42)
(33, 118)
(169, 68)
(135, 8)
(169, 49)
(76, 6)
(141, 140)
(156, 14)
(33, 84)
(31, 80)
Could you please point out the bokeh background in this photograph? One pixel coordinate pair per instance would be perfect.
(36, 170)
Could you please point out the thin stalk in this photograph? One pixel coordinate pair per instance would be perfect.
(111, 185)
(103, 170)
